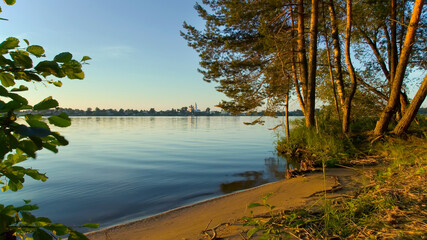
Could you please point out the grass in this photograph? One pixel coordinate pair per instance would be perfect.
(318, 144)
(393, 205)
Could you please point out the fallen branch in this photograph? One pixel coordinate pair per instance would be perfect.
(214, 234)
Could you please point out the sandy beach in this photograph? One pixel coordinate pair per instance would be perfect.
(189, 222)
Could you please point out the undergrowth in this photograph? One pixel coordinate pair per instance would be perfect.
(325, 143)
(392, 206)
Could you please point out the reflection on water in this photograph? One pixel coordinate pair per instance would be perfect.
(251, 179)
(118, 169)
(275, 168)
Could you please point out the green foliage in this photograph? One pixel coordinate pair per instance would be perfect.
(267, 227)
(325, 144)
(20, 221)
(22, 137)
(240, 49)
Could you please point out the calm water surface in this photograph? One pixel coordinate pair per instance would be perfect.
(118, 169)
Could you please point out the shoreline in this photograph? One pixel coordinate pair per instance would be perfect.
(188, 222)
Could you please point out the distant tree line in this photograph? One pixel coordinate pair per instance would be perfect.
(152, 112)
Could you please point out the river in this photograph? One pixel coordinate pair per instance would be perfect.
(119, 169)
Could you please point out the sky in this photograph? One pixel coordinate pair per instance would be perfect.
(139, 60)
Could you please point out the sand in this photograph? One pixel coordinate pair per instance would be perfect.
(190, 221)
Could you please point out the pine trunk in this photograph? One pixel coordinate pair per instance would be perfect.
(294, 70)
(287, 117)
(312, 65)
(331, 74)
(346, 117)
(353, 86)
(396, 84)
(393, 41)
(411, 112)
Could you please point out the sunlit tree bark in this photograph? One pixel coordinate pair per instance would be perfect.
(396, 84)
(412, 110)
(312, 65)
(347, 103)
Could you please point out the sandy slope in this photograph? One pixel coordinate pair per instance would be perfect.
(188, 222)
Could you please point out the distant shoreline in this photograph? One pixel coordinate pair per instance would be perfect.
(130, 112)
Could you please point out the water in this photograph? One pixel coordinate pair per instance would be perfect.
(118, 169)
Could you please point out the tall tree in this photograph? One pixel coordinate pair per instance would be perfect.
(312, 64)
(396, 84)
(348, 98)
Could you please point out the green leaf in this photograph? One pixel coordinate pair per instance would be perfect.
(43, 220)
(4, 188)
(37, 123)
(10, 2)
(26, 41)
(36, 50)
(8, 211)
(7, 79)
(63, 57)
(62, 120)
(18, 98)
(36, 175)
(9, 43)
(3, 91)
(28, 217)
(37, 117)
(251, 232)
(91, 225)
(60, 139)
(40, 234)
(31, 131)
(47, 103)
(252, 205)
(28, 147)
(74, 235)
(21, 58)
(58, 229)
(15, 186)
(49, 67)
(73, 70)
(27, 208)
(57, 83)
(20, 89)
(85, 58)
(33, 76)
(50, 147)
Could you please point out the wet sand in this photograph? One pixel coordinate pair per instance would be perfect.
(189, 222)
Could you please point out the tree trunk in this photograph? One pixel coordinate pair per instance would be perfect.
(346, 117)
(411, 112)
(312, 65)
(294, 69)
(396, 85)
(301, 50)
(287, 116)
(331, 74)
(353, 86)
(337, 51)
(393, 39)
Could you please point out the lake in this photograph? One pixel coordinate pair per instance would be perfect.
(119, 169)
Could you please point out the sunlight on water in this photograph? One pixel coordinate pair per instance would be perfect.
(118, 169)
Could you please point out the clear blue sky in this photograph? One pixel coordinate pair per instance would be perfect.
(139, 58)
